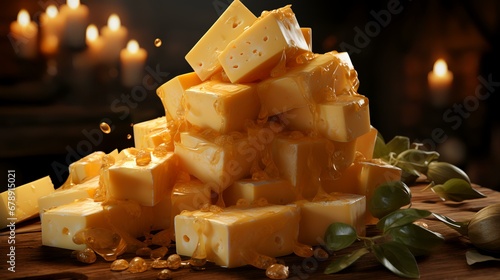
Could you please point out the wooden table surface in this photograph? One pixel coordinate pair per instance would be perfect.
(34, 261)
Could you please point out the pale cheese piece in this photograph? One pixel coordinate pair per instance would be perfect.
(223, 107)
(65, 196)
(365, 144)
(275, 191)
(299, 87)
(21, 203)
(232, 237)
(86, 168)
(302, 160)
(342, 120)
(307, 33)
(203, 57)
(346, 77)
(317, 216)
(190, 196)
(151, 133)
(274, 38)
(171, 94)
(214, 161)
(147, 184)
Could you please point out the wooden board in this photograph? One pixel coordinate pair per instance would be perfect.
(34, 261)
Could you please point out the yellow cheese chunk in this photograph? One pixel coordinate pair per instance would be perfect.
(86, 167)
(316, 216)
(21, 203)
(189, 196)
(151, 133)
(65, 196)
(147, 184)
(365, 144)
(203, 57)
(223, 107)
(171, 94)
(302, 160)
(231, 237)
(342, 120)
(275, 37)
(275, 191)
(299, 86)
(215, 161)
(307, 33)
(344, 181)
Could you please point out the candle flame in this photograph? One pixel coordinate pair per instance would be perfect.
(114, 22)
(73, 4)
(52, 11)
(132, 46)
(23, 18)
(92, 33)
(440, 67)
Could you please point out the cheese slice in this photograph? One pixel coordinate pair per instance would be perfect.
(216, 161)
(223, 107)
(302, 160)
(275, 37)
(147, 184)
(171, 94)
(307, 33)
(86, 168)
(231, 236)
(151, 133)
(365, 144)
(21, 203)
(316, 216)
(203, 57)
(275, 191)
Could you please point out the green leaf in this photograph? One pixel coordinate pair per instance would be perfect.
(398, 144)
(388, 197)
(420, 241)
(456, 190)
(461, 227)
(440, 172)
(339, 236)
(419, 158)
(401, 217)
(397, 258)
(345, 261)
(380, 149)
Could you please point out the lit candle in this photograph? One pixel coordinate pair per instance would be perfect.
(23, 35)
(114, 36)
(75, 22)
(94, 43)
(440, 81)
(50, 25)
(132, 61)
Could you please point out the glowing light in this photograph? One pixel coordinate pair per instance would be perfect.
(440, 68)
(92, 33)
(114, 22)
(52, 11)
(73, 4)
(132, 46)
(23, 18)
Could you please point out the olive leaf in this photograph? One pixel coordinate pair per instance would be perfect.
(380, 150)
(388, 197)
(397, 258)
(457, 190)
(440, 172)
(461, 227)
(339, 236)
(345, 261)
(401, 217)
(415, 161)
(398, 144)
(420, 241)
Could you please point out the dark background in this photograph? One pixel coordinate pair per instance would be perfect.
(50, 120)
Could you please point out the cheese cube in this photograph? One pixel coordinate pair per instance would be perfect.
(301, 160)
(223, 107)
(307, 33)
(344, 181)
(171, 94)
(65, 196)
(203, 57)
(365, 144)
(342, 120)
(147, 134)
(300, 86)
(346, 78)
(234, 233)
(86, 167)
(275, 191)
(316, 216)
(146, 184)
(275, 37)
(21, 203)
(214, 161)
(189, 196)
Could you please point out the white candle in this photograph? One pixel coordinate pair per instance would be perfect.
(23, 35)
(75, 22)
(440, 79)
(132, 60)
(94, 43)
(50, 25)
(114, 36)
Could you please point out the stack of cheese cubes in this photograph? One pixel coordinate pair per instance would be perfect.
(261, 148)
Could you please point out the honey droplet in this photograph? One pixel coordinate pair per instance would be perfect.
(119, 265)
(143, 252)
(174, 261)
(303, 250)
(158, 42)
(320, 254)
(158, 253)
(129, 136)
(87, 255)
(105, 127)
(159, 264)
(165, 274)
(160, 151)
(143, 158)
(277, 271)
(137, 265)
